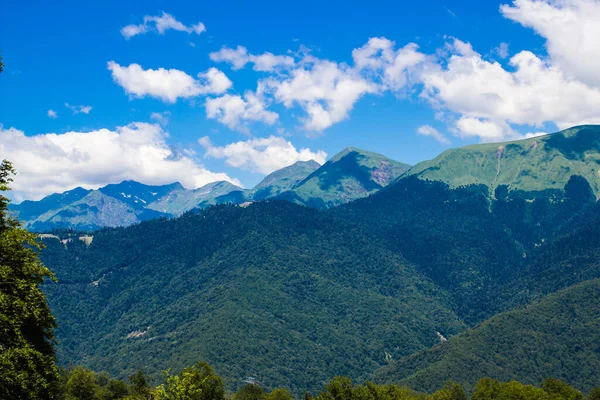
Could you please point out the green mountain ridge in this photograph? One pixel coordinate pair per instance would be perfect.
(282, 180)
(349, 175)
(527, 167)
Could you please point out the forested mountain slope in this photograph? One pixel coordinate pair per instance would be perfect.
(559, 337)
(286, 293)
(470, 246)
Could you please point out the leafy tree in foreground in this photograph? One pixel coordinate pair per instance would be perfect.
(140, 388)
(27, 369)
(280, 394)
(560, 390)
(194, 383)
(82, 385)
(250, 392)
(450, 391)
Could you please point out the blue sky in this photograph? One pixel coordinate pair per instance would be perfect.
(58, 55)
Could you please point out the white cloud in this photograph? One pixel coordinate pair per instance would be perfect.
(52, 114)
(79, 109)
(161, 117)
(237, 57)
(395, 67)
(571, 30)
(167, 84)
(428, 130)
(326, 90)
(161, 24)
(234, 110)
(502, 50)
(263, 155)
(484, 129)
(488, 99)
(50, 163)
(240, 56)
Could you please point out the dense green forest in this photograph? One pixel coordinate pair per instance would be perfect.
(295, 295)
(558, 336)
(286, 293)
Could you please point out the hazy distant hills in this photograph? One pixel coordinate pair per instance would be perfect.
(347, 176)
(529, 168)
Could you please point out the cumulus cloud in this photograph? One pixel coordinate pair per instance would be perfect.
(234, 110)
(396, 68)
(79, 109)
(489, 99)
(325, 90)
(571, 30)
(50, 163)
(167, 84)
(52, 114)
(263, 155)
(428, 130)
(240, 56)
(161, 24)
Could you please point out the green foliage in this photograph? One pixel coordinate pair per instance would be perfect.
(280, 394)
(193, 383)
(250, 392)
(450, 391)
(27, 367)
(560, 390)
(115, 389)
(342, 388)
(82, 385)
(139, 386)
(594, 394)
(294, 295)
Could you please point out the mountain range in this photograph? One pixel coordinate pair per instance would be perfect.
(427, 275)
(349, 175)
